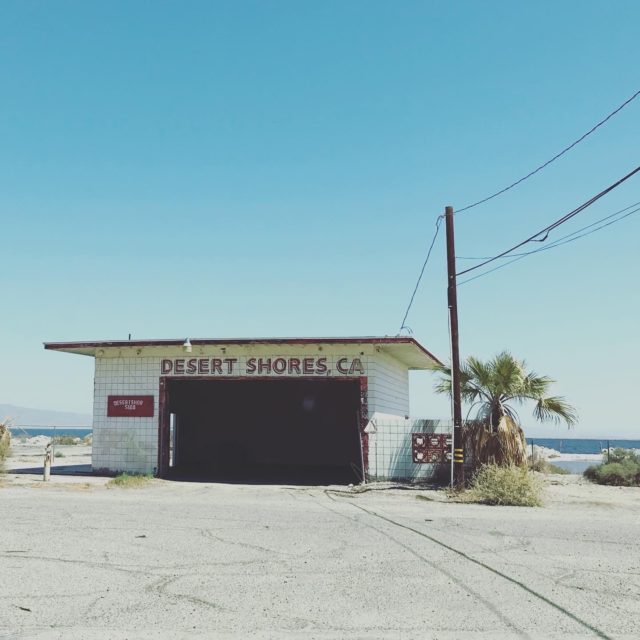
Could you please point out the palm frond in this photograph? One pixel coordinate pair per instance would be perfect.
(508, 373)
(492, 388)
(535, 386)
(555, 409)
(511, 413)
(478, 372)
(468, 390)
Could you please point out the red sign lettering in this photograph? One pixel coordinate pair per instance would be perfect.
(309, 366)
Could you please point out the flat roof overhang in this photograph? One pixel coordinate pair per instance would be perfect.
(403, 348)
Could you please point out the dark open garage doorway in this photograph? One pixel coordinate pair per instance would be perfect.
(293, 431)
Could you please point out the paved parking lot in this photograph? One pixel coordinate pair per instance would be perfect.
(187, 560)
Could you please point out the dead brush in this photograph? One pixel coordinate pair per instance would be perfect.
(510, 485)
(503, 446)
(5, 443)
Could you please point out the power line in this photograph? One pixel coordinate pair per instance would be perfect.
(548, 162)
(500, 266)
(424, 266)
(536, 236)
(511, 186)
(558, 243)
(562, 241)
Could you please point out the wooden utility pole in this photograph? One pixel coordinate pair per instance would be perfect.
(452, 296)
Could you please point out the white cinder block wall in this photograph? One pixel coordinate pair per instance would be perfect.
(131, 443)
(125, 444)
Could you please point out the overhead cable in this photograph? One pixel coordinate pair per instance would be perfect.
(558, 243)
(548, 162)
(545, 232)
(424, 266)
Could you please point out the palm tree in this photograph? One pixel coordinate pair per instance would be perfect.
(492, 389)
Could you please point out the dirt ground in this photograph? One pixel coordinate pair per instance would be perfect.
(195, 560)
(31, 458)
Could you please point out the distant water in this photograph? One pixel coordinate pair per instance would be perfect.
(582, 445)
(29, 432)
(575, 466)
(563, 445)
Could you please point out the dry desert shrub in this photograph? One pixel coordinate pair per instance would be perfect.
(503, 446)
(544, 466)
(621, 470)
(129, 481)
(5, 443)
(510, 485)
(65, 440)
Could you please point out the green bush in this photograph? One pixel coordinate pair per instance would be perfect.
(126, 481)
(544, 466)
(591, 473)
(613, 473)
(506, 485)
(620, 455)
(623, 471)
(65, 440)
(554, 468)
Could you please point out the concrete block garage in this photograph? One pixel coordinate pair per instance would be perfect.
(316, 410)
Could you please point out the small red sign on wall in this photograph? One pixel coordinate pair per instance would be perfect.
(431, 447)
(130, 406)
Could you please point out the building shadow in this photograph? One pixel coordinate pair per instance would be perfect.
(57, 470)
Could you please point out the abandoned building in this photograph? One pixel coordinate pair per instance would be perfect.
(315, 410)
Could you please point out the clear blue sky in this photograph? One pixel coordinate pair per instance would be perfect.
(222, 169)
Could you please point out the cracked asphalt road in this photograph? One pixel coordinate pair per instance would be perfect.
(186, 560)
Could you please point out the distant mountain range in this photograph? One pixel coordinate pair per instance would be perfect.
(23, 416)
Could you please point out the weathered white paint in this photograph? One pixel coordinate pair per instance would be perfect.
(388, 386)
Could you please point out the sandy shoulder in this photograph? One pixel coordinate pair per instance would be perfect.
(25, 455)
(562, 492)
(24, 467)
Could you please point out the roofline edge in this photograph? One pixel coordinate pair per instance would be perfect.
(97, 344)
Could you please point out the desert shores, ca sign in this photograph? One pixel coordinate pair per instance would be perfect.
(283, 366)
